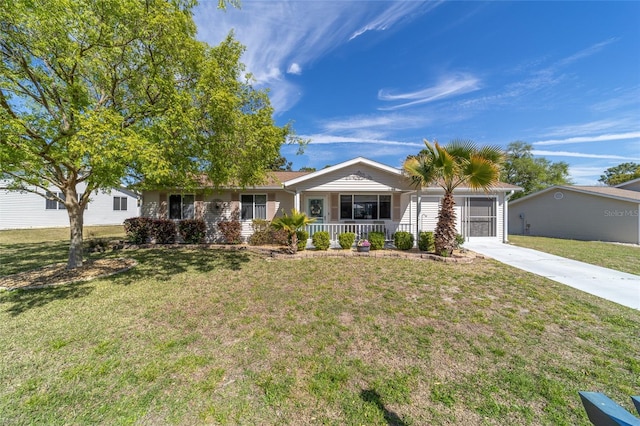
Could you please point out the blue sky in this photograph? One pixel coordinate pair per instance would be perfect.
(375, 78)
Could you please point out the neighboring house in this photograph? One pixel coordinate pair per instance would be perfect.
(592, 213)
(358, 196)
(21, 209)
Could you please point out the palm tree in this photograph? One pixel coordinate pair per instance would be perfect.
(459, 162)
(291, 225)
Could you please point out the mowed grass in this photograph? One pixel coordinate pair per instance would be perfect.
(25, 249)
(234, 337)
(624, 258)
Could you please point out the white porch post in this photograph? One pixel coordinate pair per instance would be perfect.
(296, 201)
(505, 218)
(418, 215)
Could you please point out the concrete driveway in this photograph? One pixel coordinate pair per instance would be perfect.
(615, 286)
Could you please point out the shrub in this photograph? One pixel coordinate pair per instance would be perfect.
(303, 236)
(346, 239)
(377, 240)
(427, 241)
(138, 229)
(261, 232)
(163, 231)
(264, 233)
(231, 228)
(321, 240)
(403, 240)
(192, 231)
(459, 241)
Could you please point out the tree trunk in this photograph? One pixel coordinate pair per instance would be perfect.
(293, 248)
(76, 219)
(445, 234)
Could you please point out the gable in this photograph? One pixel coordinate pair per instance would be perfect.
(357, 177)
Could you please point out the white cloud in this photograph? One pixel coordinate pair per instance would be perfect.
(448, 86)
(291, 35)
(294, 68)
(612, 125)
(380, 122)
(582, 155)
(324, 139)
(397, 12)
(583, 139)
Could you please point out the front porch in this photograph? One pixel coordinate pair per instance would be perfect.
(362, 230)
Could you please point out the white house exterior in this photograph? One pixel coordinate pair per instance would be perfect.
(19, 210)
(359, 195)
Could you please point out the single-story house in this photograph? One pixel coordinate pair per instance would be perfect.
(358, 195)
(22, 209)
(592, 213)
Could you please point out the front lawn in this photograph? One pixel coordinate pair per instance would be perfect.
(234, 337)
(621, 257)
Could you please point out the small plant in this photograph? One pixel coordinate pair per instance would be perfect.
(427, 242)
(192, 231)
(403, 240)
(97, 245)
(163, 231)
(291, 224)
(346, 239)
(321, 240)
(303, 236)
(364, 243)
(231, 229)
(138, 229)
(459, 241)
(377, 240)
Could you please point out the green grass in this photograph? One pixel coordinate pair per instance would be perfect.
(216, 337)
(620, 257)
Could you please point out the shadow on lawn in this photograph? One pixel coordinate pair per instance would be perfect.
(371, 396)
(20, 301)
(21, 257)
(164, 263)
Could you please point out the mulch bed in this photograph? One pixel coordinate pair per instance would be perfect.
(57, 274)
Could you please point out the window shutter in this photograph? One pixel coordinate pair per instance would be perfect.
(335, 206)
(395, 202)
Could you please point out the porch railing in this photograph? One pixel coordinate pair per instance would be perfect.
(361, 230)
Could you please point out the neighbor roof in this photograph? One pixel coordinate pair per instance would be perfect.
(602, 191)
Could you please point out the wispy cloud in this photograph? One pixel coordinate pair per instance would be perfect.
(397, 12)
(582, 155)
(383, 122)
(585, 53)
(536, 77)
(448, 86)
(583, 139)
(617, 125)
(289, 36)
(323, 139)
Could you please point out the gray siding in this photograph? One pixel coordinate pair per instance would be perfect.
(564, 213)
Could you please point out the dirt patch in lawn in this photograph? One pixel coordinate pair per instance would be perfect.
(57, 274)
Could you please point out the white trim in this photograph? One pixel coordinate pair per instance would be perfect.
(357, 160)
(581, 190)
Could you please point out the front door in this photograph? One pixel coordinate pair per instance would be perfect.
(315, 209)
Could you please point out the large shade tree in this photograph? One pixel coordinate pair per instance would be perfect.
(529, 172)
(621, 173)
(450, 166)
(106, 92)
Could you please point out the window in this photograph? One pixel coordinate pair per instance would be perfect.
(365, 207)
(253, 207)
(54, 204)
(119, 203)
(181, 206)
